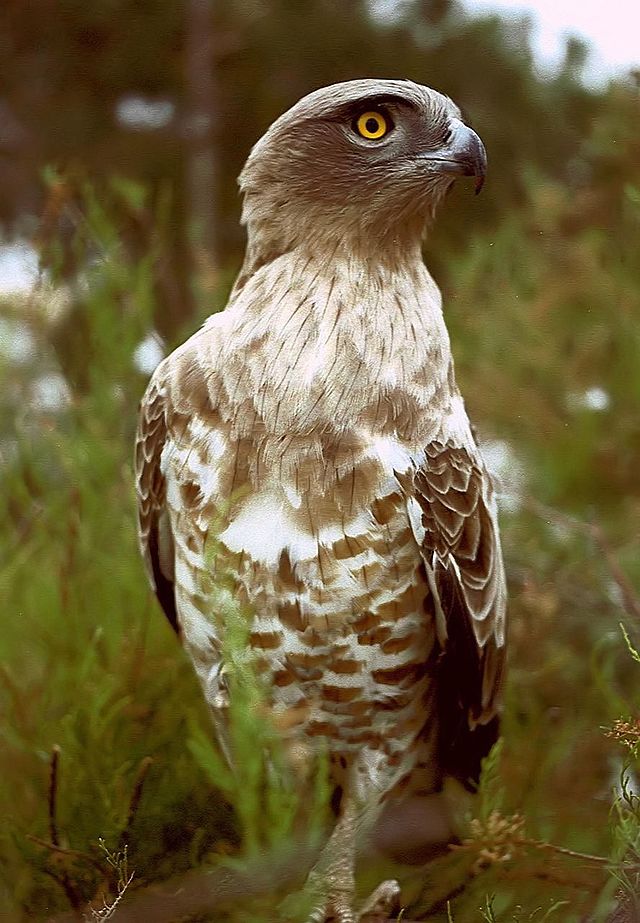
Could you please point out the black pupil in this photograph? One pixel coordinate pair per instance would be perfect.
(372, 126)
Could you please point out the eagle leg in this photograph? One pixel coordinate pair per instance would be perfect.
(333, 876)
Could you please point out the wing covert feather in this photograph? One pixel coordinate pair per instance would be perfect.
(461, 548)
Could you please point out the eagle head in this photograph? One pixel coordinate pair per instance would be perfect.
(365, 159)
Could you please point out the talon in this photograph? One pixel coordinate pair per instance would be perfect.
(385, 900)
(318, 916)
(340, 909)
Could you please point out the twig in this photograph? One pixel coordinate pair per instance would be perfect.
(53, 794)
(134, 801)
(76, 913)
(578, 883)
(62, 878)
(107, 912)
(53, 845)
(63, 851)
(587, 857)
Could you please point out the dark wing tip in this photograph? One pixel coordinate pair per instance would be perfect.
(163, 586)
(464, 737)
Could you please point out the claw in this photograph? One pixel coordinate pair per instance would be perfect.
(382, 903)
(333, 913)
(319, 915)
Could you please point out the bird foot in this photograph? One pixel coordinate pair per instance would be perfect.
(382, 903)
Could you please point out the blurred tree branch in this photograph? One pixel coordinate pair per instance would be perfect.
(200, 133)
(595, 532)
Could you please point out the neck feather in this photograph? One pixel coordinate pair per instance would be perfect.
(272, 233)
(326, 338)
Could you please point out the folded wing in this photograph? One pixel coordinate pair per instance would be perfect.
(455, 522)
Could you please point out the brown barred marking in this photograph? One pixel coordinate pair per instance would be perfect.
(398, 645)
(346, 666)
(409, 726)
(347, 547)
(395, 702)
(351, 547)
(361, 707)
(375, 635)
(191, 494)
(365, 622)
(266, 640)
(284, 678)
(404, 539)
(320, 729)
(369, 572)
(355, 724)
(312, 638)
(340, 693)
(305, 661)
(288, 580)
(308, 674)
(291, 615)
(395, 676)
(408, 599)
(385, 508)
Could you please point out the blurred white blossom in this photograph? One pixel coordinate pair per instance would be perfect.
(148, 353)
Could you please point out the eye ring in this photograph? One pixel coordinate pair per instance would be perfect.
(373, 125)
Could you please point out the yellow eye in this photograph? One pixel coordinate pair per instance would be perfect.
(372, 125)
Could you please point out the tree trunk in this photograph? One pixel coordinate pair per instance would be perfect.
(200, 140)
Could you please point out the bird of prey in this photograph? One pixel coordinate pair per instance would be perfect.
(315, 430)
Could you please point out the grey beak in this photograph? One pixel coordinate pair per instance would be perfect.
(462, 155)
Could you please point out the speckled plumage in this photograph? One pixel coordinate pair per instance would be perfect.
(315, 432)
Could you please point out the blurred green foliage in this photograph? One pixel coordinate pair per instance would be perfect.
(541, 280)
(67, 68)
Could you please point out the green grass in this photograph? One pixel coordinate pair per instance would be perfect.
(89, 665)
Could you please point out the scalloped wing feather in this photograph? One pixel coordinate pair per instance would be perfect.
(461, 543)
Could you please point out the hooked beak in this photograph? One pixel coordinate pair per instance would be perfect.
(462, 155)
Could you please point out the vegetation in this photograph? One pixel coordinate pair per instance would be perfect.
(110, 784)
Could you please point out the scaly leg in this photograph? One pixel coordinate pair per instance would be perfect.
(333, 877)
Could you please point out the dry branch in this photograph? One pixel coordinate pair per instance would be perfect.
(134, 801)
(62, 877)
